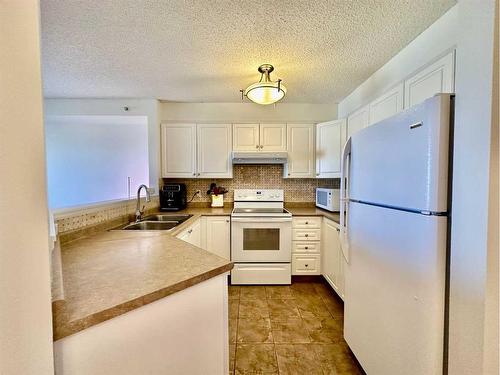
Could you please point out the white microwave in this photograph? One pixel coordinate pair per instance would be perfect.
(328, 199)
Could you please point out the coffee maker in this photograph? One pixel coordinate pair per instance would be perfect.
(173, 197)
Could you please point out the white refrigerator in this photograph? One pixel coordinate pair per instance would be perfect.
(394, 225)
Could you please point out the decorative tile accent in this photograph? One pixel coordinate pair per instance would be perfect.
(259, 177)
(115, 212)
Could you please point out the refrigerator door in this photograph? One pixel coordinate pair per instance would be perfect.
(403, 161)
(395, 290)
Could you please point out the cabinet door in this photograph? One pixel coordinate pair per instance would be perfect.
(214, 151)
(300, 145)
(246, 137)
(438, 77)
(387, 104)
(358, 120)
(192, 234)
(330, 139)
(218, 235)
(272, 137)
(332, 256)
(178, 150)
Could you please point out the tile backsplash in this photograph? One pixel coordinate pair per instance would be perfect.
(259, 177)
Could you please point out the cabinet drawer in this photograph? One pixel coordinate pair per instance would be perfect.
(302, 222)
(306, 234)
(307, 264)
(305, 247)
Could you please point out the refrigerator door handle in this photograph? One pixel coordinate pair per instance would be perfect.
(344, 199)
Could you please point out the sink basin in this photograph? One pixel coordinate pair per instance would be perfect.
(157, 222)
(167, 217)
(151, 225)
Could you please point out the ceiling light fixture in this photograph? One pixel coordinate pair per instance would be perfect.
(265, 91)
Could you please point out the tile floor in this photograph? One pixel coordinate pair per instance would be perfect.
(293, 329)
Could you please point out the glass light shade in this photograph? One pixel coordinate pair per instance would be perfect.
(265, 92)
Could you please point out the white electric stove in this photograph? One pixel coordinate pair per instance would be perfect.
(261, 237)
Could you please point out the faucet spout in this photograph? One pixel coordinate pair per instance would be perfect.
(138, 211)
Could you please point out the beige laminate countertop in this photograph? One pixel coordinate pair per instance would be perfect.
(313, 211)
(112, 272)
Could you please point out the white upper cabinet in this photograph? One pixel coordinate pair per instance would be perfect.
(272, 137)
(178, 145)
(246, 137)
(330, 140)
(191, 151)
(300, 146)
(358, 120)
(214, 151)
(435, 78)
(259, 137)
(387, 104)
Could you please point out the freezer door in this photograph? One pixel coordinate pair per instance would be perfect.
(403, 161)
(395, 290)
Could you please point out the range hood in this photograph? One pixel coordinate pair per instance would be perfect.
(260, 157)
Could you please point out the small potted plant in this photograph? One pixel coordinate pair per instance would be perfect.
(217, 194)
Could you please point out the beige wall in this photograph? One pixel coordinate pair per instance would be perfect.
(471, 188)
(247, 112)
(491, 326)
(25, 310)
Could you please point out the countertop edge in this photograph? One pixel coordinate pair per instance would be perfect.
(64, 329)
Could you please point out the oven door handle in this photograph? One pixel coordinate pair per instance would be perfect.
(261, 219)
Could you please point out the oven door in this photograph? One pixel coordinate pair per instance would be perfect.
(261, 239)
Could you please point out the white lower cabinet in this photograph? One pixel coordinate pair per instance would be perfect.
(212, 233)
(306, 264)
(306, 245)
(332, 262)
(192, 234)
(217, 235)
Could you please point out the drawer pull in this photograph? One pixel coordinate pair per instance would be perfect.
(307, 247)
(307, 265)
(307, 222)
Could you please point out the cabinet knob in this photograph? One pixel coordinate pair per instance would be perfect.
(317, 174)
(198, 174)
(307, 222)
(261, 147)
(190, 231)
(194, 174)
(307, 265)
(256, 146)
(306, 235)
(307, 247)
(289, 174)
(227, 221)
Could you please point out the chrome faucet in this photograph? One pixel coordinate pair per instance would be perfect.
(138, 211)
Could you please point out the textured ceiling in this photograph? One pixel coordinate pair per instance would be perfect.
(205, 51)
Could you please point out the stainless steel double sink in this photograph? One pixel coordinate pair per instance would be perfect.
(157, 222)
